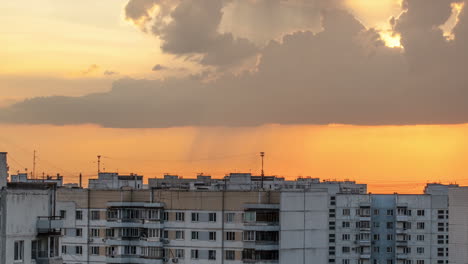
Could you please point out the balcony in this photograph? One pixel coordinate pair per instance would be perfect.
(365, 256)
(364, 242)
(56, 260)
(402, 218)
(49, 225)
(401, 255)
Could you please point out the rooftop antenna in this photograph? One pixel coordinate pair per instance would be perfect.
(262, 155)
(99, 164)
(34, 166)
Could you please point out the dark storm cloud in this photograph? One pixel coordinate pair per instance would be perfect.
(344, 74)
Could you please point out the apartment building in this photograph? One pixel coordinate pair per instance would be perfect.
(458, 225)
(160, 226)
(207, 220)
(29, 229)
(249, 182)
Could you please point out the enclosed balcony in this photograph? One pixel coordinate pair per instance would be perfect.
(263, 219)
(45, 250)
(49, 225)
(260, 256)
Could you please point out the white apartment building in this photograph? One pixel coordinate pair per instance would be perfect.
(113, 181)
(29, 228)
(23, 177)
(458, 225)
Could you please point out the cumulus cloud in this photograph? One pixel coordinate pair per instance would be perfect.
(342, 74)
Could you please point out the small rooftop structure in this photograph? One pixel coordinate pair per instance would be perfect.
(23, 178)
(112, 180)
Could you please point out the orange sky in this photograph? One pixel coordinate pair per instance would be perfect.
(390, 159)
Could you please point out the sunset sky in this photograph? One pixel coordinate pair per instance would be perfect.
(366, 90)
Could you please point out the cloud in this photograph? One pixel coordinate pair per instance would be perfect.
(159, 67)
(110, 73)
(343, 74)
(91, 69)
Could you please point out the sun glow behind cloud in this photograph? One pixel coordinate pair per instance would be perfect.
(391, 39)
(448, 27)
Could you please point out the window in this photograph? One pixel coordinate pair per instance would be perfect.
(194, 254)
(153, 232)
(153, 214)
(79, 232)
(179, 234)
(345, 261)
(420, 261)
(166, 216)
(331, 238)
(389, 249)
(376, 249)
(110, 251)
(346, 212)
(212, 236)
(195, 217)
(230, 217)
(231, 236)
(230, 254)
(440, 239)
(345, 249)
(19, 250)
(212, 217)
(63, 214)
(94, 232)
(180, 216)
(420, 212)
(389, 237)
(420, 225)
(331, 213)
(390, 212)
(346, 236)
(64, 250)
(420, 237)
(212, 254)
(389, 261)
(79, 215)
(94, 250)
(331, 251)
(180, 253)
(346, 224)
(79, 250)
(420, 250)
(376, 212)
(194, 235)
(130, 250)
(376, 224)
(389, 225)
(249, 235)
(110, 232)
(95, 215)
(165, 234)
(112, 214)
(376, 237)
(440, 252)
(249, 216)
